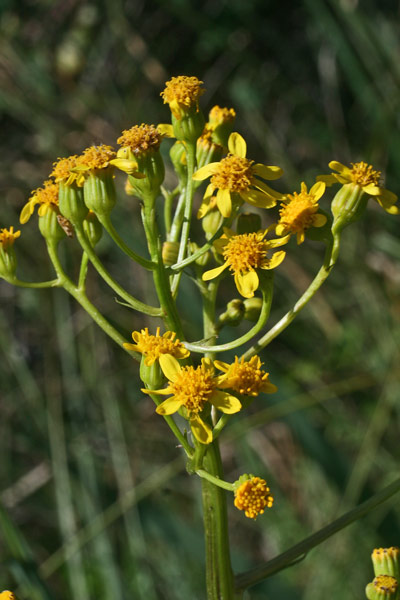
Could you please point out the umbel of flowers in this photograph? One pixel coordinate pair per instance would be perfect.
(198, 386)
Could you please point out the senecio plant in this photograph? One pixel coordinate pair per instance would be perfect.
(180, 375)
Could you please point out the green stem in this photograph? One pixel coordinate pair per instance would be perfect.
(83, 300)
(168, 200)
(98, 265)
(225, 485)
(175, 429)
(178, 218)
(331, 256)
(109, 227)
(83, 271)
(262, 319)
(286, 559)
(219, 574)
(161, 279)
(187, 215)
(36, 285)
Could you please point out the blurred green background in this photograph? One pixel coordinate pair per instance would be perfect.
(94, 498)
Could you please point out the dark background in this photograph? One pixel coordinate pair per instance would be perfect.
(311, 82)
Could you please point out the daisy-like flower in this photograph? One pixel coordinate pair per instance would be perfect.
(153, 346)
(182, 94)
(236, 175)
(298, 212)
(63, 171)
(252, 495)
(243, 255)
(94, 159)
(8, 237)
(193, 388)
(47, 199)
(245, 377)
(366, 178)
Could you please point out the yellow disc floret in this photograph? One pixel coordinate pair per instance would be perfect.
(193, 387)
(245, 377)
(364, 174)
(253, 496)
(62, 169)
(182, 93)
(141, 139)
(298, 212)
(153, 346)
(384, 584)
(234, 174)
(8, 237)
(96, 157)
(245, 252)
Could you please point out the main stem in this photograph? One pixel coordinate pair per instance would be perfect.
(219, 575)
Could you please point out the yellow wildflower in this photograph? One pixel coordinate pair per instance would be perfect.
(365, 177)
(63, 171)
(219, 116)
(245, 377)
(182, 93)
(8, 237)
(46, 197)
(95, 158)
(141, 139)
(7, 595)
(253, 496)
(237, 175)
(244, 254)
(193, 388)
(153, 346)
(298, 212)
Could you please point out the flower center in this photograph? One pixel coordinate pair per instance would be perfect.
(218, 115)
(246, 377)
(253, 497)
(385, 583)
(7, 237)
(62, 168)
(184, 90)
(152, 346)
(298, 213)
(234, 174)
(194, 386)
(245, 252)
(48, 194)
(364, 174)
(96, 157)
(140, 138)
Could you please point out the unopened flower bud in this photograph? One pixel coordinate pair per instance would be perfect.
(99, 193)
(178, 157)
(170, 253)
(348, 205)
(221, 121)
(252, 308)
(386, 561)
(234, 313)
(8, 260)
(182, 94)
(211, 222)
(71, 203)
(383, 587)
(152, 376)
(252, 495)
(49, 226)
(203, 259)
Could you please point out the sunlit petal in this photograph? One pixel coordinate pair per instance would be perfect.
(225, 402)
(237, 145)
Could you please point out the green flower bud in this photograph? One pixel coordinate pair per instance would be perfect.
(177, 154)
(49, 226)
(152, 376)
(92, 228)
(99, 192)
(348, 205)
(252, 308)
(383, 587)
(211, 222)
(221, 121)
(8, 260)
(233, 315)
(248, 223)
(71, 203)
(170, 253)
(190, 126)
(386, 561)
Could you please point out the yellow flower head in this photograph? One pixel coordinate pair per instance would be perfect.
(182, 93)
(153, 346)
(6, 595)
(219, 116)
(63, 171)
(8, 237)
(46, 197)
(253, 496)
(363, 175)
(243, 255)
(141, 139)
(298, 212)
(245, 377)
(237, 175)
(95, 158)
(193, 388)
(385, 586)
